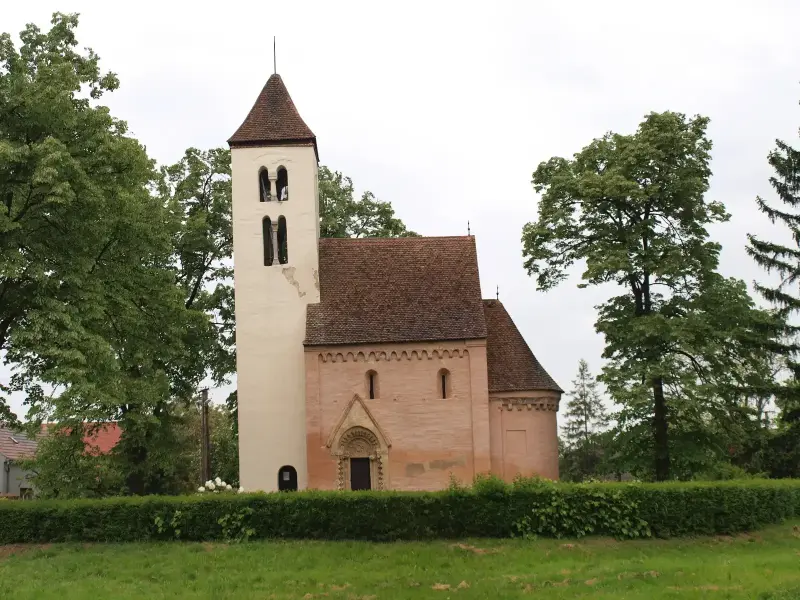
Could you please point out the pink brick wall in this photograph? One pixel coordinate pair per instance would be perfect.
(524, 439)
(430, 437)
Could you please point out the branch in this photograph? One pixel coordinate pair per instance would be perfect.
(104, 249)
(697, 366)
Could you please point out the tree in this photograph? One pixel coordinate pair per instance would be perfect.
(91, 320)
(585, 414)
(341, 215)
(783, 259)
(64, 469)
(633, 208)
(197, 191)
(585, 418)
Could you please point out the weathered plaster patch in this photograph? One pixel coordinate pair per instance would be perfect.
(288, 273)
(447, 464)
(316, 279)
(414, 469)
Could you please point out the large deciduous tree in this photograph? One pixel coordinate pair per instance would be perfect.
(197, 190)
(632, 208)
(91, 320)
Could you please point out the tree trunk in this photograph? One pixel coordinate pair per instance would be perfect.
(660, 430)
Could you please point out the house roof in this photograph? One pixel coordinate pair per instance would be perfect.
(15, 446)
(510, 361)
(102, 439)
(396, 290)
(99, 437)
(273, 120)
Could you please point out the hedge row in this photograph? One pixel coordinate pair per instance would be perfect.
(533, 508)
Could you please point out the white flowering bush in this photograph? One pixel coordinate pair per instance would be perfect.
(215, 486)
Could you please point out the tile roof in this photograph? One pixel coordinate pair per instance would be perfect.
(273, 120)
(99, 437)
(15, 446)
(396, 290)
(102, 439)
(511, 364)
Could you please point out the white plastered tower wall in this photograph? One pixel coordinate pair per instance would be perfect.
(271, 311)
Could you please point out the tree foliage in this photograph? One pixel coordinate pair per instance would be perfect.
(585, 418)
(585, 414)
(341, 215)
(92, 322)
(783, 260)
(197, 191)
(632, 208)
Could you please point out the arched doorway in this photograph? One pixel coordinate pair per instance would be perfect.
(360, 464)
(287, 479)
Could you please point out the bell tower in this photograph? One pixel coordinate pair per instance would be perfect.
(275, 254)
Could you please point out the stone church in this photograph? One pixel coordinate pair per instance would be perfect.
(367, 363)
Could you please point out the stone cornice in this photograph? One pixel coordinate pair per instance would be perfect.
(519, 404)
(389, 355)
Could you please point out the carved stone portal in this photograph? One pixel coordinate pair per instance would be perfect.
(359, 442)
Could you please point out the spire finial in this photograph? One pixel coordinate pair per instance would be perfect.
(498, 293)
(469, 232)
(274, 58)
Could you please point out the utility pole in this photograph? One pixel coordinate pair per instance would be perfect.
(205, 444)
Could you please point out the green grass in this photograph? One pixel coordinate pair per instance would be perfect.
(760, 565)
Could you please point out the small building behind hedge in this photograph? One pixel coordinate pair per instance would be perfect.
(367, 363)
(15, 481)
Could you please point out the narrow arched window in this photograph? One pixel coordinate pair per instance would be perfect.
(282, 184)
(444, 383)
(264, 185)
(372, 385)
(266, 233)
(283, 245)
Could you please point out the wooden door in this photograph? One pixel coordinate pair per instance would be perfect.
(359, 474)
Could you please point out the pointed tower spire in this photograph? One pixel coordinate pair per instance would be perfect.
(274, 121)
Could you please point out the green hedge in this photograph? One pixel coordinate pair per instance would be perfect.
(491, 509)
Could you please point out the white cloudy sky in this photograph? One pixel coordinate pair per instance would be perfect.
(446, 108)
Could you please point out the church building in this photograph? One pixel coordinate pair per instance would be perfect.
(367, 363)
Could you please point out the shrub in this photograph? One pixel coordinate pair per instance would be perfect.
(492, 508)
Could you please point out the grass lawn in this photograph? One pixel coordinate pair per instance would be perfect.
(762, 565)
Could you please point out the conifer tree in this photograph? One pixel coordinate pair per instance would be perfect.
(774, 257)
(585, 415)
(783, 259)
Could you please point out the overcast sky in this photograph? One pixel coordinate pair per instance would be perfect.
(446, 108)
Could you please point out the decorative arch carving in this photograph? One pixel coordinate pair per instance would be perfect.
(359, 442)
(440, 353)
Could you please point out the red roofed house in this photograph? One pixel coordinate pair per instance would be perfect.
(367, 363)
(14, 447)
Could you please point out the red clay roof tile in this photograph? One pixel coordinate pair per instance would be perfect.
(396, 290)
(273, 120)
(510, 361)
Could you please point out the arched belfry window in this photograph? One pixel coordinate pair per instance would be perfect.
(264, 185)
(372, 385)
(283, 244)
(444, 383)
(282, 184)
(266, 233)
